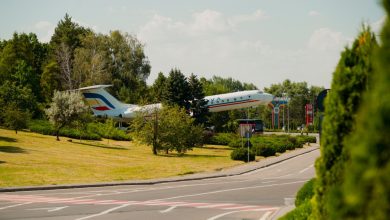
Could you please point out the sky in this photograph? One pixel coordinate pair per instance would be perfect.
(262, 42)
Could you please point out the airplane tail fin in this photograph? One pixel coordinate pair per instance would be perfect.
(100, 100)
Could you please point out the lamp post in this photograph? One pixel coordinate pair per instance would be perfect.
(285, 96)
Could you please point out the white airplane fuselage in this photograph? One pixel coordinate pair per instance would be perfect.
(104, 104)
(237, 100)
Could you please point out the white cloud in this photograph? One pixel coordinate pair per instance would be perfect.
(256, 16)
(211, 43)
(209, 21)
(313, 13)
(44, 30)
(326, 39)
(43, 25)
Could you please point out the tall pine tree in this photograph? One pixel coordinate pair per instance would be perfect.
(177, 90)
(198, 103)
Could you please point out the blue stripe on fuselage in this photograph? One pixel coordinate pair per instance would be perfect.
(98, 96)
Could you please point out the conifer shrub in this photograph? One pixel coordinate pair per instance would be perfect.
(341, 105)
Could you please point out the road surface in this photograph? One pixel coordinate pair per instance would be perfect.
(259, 195)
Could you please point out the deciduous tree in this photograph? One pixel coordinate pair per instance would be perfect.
(65, 108)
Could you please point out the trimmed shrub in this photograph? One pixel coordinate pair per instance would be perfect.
(242, 154)
(236, 143)
(264, 150)
(306, 139)
(223, 138)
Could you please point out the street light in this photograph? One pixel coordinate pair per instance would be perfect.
(285, 96)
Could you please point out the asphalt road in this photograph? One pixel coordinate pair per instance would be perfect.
(260, 195)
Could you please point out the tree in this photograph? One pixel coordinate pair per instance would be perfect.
(129, 66)
(66, 38)
(341, 105)
(50, 80)
(198, 105)
(365, 190)
(15, 118)
(65, 108)
(21, 60)
(17, 96)
(65, 62)
(174, 130)
(91, 61)
(159, 88)
(177, 90)
(299, 94)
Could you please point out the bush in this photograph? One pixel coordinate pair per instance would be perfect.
(236, 143)
(242, 154)
(302, 139)
(305, 193)
(115, 134)
(223, 138)
(302, 202)
(78, 134)
(41, 126)
(264, 150)
(46, 128)
(301, 212)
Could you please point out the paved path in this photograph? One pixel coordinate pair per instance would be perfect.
(244, 192)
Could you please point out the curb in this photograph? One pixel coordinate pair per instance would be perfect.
(171, 179)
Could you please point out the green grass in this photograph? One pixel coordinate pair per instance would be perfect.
(28, 159)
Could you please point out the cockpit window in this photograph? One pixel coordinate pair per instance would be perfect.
(260, 92)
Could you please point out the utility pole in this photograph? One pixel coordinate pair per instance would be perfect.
(249, 130)
(155, 130)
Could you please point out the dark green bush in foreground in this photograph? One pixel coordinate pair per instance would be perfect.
(242, 154)
(302, 202)
(305, 193)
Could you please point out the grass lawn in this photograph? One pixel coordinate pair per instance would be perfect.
(28, 159)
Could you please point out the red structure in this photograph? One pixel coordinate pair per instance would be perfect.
(309, 114)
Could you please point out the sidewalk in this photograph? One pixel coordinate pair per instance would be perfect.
(237, 170)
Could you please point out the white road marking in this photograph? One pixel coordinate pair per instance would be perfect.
(240, 207)
(104, 212)
(307, 168)
(168, 209)
(289, 201)
(269, 182)
(251, 210)
(11, 206)
(215, 205)
(50, 209)
(221, 215)
(265, 216)
(232, 189)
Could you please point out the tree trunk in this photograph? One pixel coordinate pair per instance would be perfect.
(57, 134)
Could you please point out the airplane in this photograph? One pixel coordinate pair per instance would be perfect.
(104, 104)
